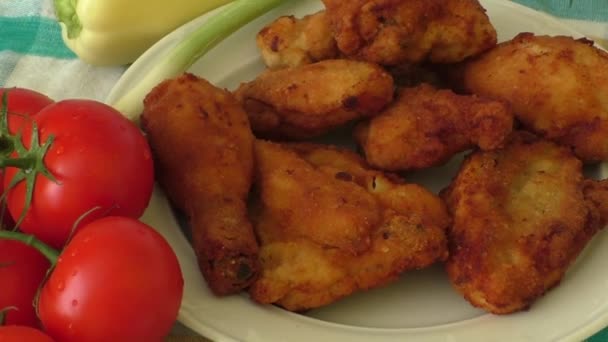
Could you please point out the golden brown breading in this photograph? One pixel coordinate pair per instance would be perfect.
(329, 225)
(426, 126)
(309, 100)
(521, 217)
(203, 149)
(392, 32)
(596, 193)
(558, 88)
(289, 41)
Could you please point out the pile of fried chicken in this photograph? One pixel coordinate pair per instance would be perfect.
(301, 224)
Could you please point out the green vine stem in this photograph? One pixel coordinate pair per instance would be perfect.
(51, 254)
(29, 161)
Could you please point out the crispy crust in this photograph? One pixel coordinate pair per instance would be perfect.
(329, 225)
(289, 41)
(557, 87)
(425, 127)
(203, 150)
(520, 219)
(393, 32)
(309, 100)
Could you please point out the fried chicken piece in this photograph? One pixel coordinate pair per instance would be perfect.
(426, 126)
(558, 88)
(596, 194)
(521, 217)
(328, 225)
(392, 32)
(289, 41)
(203, 149)
(310, 100)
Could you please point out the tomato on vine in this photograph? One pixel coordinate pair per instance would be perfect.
(25, 102)
(77, 161)
(116, 280)
(22, 270)
(21, 104)
(16, 333)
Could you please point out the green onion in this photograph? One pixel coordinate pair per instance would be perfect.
(179, 59)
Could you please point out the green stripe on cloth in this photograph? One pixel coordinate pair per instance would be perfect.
(596, 10)
(34, 36)
(602, 336)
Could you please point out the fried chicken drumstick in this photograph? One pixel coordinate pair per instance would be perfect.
(426, 126)
(521, 215)
(203, 149)
(329, 225)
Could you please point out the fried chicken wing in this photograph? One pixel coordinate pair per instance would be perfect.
(289, 41)
(203, 149)
(328, 225)
(309, 100)
(426, 126)
(521, 215)
(392, 32)
(558, 88)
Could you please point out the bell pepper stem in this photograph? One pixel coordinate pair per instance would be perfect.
(65, 10)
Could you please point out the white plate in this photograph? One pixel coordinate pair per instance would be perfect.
(422, 306)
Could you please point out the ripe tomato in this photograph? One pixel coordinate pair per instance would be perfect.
(26, 102)
(22, 269)
(15, 333)
(102, 164)
(21, 104)
(116, 280)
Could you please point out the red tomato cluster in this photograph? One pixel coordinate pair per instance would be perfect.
(77, 176)
(22, 269)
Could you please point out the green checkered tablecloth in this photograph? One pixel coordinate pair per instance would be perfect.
(32, 55)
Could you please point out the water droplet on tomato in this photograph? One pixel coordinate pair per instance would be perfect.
(74, 302)
(74, 273)
(146, 155)
(60, 286)
(59, 150)
(73, 254)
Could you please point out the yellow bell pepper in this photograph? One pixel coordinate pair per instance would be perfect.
(116, 32)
